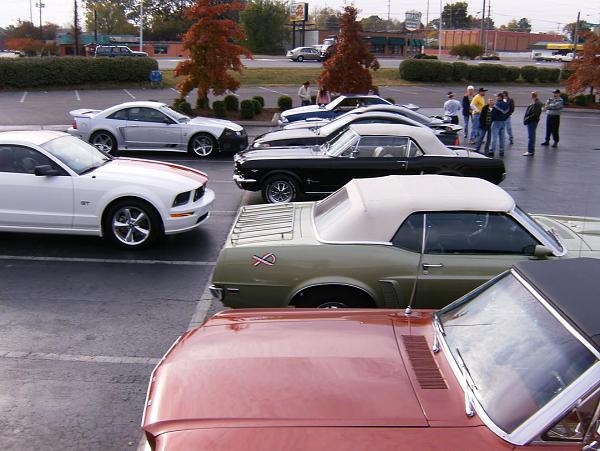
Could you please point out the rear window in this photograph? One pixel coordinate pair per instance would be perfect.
(327, 211)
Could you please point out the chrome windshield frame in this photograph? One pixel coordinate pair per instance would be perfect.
(555, 251)
(557, 407)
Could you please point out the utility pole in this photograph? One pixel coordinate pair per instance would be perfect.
(30, 12)
(40, 5)
(389, 7)
(427, 16)
(576, 34)
(141, 25)
(482, 24)
(76, 30)
(95, 26)
(440, 32)
(487, 28)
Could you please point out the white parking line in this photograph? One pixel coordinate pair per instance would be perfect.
(272, 90)
(106, 260)
(78, 357)
(129, 94)
(77, 95)
(404, 91)
(23, 97)
(175, 90)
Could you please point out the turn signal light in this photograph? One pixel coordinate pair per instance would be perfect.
(181, 215)
(74, 124)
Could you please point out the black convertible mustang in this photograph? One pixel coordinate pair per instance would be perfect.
(362, 151)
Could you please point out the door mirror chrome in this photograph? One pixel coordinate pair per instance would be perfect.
(541, 252)
(46, 170)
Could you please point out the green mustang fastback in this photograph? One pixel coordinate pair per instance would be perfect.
(398, 241)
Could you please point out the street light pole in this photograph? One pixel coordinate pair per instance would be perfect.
(440, 32)
(30, 12)
(482, 23)
(141, 25)
(576, 34)
(40, 5)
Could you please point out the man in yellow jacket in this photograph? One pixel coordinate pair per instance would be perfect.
(477, 104)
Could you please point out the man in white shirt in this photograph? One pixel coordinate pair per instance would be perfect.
(452, 108)
(304, 93)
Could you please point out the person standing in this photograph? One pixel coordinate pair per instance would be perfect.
(323, 96)
(477, 104)
(499, 115)
(511, 110)
(554, 106)
(485, 122)
(452, 108)
(466, 108)
(531, 120)
(304, 93)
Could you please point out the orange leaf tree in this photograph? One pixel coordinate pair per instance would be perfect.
(347, 71)
(210, 41)
(586, 68)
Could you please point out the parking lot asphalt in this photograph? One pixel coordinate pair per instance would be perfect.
(83, 323)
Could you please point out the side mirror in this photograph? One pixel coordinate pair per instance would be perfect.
(46, 171)
(541, 252)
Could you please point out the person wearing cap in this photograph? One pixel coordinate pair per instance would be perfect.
(531, 120)
(304, 93)
(511, 110)
(466, 108)
(451, 108)
(477, 104)
(499, 115)
(554, 106)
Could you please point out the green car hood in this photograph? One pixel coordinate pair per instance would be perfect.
(579, 234)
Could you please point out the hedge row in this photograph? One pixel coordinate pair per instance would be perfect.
(427, 70)
(57, 71)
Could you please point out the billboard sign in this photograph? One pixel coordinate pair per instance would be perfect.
(298, 12)
(412, 20)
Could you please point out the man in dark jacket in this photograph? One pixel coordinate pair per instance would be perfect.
(554, 106)
(485, 123)
(511, 110)
(499, 115)
(466, 109)
(531, 120)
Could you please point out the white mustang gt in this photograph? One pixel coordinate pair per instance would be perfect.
(55, 183)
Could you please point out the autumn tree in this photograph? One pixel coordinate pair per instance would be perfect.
(213, 52)
(586, 68)
(347, 71)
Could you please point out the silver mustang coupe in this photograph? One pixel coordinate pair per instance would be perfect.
(149, 126)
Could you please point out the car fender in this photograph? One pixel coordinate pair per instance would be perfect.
(118, 132)
(324, 281)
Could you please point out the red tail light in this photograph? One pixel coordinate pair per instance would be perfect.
(456, 141)
(74, 124)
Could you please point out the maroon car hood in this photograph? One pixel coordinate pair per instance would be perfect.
(309, 368)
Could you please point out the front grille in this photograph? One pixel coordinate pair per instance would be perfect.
(426, 370)
(199, 193)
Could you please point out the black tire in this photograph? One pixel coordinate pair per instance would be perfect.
(202, 145)
(280, 189)
(300, 59)
(104, 141)
(129, 235)
(334, 297)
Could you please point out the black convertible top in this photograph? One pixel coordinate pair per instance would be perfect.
(572, 286)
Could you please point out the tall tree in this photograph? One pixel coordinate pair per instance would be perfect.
(347, 71)
(76, 28)
(266, 25)
(326, 18)
(519, 25)
(111, 17)
(569, 30)
(586, 68)
(454, 16)
(210, 41)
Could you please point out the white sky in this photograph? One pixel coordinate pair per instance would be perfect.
(545, 16)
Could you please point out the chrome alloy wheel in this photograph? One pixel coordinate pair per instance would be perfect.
(131, 226)
(280, 191)
(202, 146)
(333, 304)
(103, 142)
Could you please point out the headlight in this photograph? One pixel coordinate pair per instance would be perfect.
(182, 199)
(229, 132)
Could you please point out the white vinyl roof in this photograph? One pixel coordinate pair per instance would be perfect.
(376, 207)
(423, 136)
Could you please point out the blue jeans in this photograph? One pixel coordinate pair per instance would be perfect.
(466, 127)
(531, 129)
(509, 131)
(475, 130)
(484, 133)
(305, 102)
(498, 130)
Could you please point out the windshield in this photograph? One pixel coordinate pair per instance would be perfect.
(532, 224)
(182, 118)
(78, 155)
(517, 353)
(420, 118)
(341, 142)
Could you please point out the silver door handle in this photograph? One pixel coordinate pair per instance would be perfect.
(432, 265)
(134, 125)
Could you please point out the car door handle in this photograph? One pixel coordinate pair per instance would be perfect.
(134, 125)
(432, 265)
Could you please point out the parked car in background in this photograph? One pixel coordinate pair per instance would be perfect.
(11, 54)
(153, 126)
(304, 53)
(62, 185)
(513, 365)
(340, 105)
(117, 50)
(362, 151)
(388, 242)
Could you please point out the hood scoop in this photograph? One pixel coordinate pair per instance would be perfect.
(427, 373)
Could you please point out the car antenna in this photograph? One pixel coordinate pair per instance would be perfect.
(408, 310)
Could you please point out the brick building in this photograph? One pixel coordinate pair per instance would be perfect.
(498, 40)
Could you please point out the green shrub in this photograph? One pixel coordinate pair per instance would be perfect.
(261, 99)
(544, 74)
(425, 70)
(489, 73)
(231, 103)
(553, 75)
(313, 100)
(247, 109)
(284, 103)
(513, 73)
(565, 73)
(529, 73)
(57, 71)
(218, 107)
(183, 106)
(581, 100)
(391, 100)
(257, 106)
(470, 51)
(460, 71)
(565, 97)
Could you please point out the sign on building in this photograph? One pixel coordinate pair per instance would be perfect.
(412, 20)
(298, 12)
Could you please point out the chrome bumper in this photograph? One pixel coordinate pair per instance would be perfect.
(240, 180)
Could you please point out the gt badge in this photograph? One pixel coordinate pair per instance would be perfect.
(267, 260)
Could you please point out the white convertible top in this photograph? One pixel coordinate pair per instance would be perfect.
(424, 136)
(375, 208)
